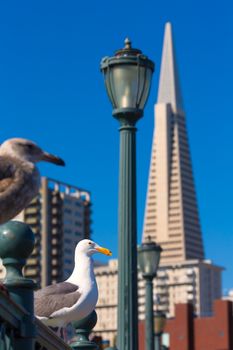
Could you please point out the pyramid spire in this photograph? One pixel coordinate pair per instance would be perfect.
(171, 214)
(169, 86)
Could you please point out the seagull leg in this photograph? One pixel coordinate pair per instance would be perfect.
(64, 334)
(57, 331)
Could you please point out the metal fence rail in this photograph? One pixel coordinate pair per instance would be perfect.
(47, 339)
(12, 328)
(19, 329)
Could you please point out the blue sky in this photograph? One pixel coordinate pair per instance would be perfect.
(52, 92)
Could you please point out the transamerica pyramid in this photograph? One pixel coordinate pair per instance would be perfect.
(171, 213)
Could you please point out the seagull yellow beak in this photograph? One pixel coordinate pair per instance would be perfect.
(104, 251)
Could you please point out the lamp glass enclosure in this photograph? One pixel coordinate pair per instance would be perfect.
(159, 322)
(148, 258)
(127, 78)
(129, 86)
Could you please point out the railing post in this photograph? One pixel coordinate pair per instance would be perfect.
(16, 244)
(83, 329)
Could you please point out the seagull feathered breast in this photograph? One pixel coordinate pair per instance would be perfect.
(19, 184)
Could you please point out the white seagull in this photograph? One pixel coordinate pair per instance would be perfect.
(59, 304)
(19, 176)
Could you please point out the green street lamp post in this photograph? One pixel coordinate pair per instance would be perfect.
(159, 324)
(148, 260)
(127, 78)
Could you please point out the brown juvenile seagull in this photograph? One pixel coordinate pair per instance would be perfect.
(19, 176)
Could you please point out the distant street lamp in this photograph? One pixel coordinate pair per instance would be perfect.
(127, 78)
(148, 260)
(159, 325)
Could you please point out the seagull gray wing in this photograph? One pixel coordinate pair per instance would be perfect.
(55, 297)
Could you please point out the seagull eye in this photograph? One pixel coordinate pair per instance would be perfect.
(30, 147)
(90, 243)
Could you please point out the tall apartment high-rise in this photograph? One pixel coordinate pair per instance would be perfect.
(59, 217)
(171, 213)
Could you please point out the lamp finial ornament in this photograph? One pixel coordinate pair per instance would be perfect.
(127, 43)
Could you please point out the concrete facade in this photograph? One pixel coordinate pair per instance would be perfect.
(60, 217)
(107, 281)
(193, 281)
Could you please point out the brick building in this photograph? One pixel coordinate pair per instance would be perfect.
(187, 332)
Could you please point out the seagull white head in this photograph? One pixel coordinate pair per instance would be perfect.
(28, 151)
(88, 247)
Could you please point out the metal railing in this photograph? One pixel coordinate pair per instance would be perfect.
(12, 328)
(19, 328)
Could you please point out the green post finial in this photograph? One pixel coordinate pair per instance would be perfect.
(16, 244)
(83, 329)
